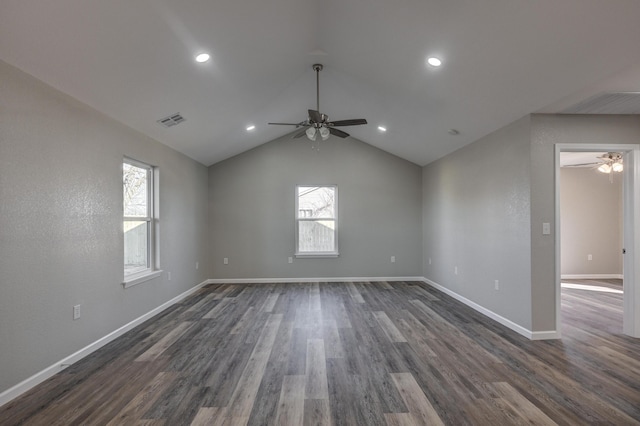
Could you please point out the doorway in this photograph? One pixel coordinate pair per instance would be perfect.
(591, 242)
(631, 231)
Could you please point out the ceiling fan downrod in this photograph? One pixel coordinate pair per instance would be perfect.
(317, 68)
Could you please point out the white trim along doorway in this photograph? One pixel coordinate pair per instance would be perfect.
(631, 230)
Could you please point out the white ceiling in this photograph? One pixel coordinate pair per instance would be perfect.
(503, 59)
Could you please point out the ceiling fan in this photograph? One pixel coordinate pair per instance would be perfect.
(607, 163)
(318, 123)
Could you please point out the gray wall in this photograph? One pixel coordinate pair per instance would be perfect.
(506, 178)
(61, 241)
(546, 132)
(251, 210)
(591, 222)
(476, 217)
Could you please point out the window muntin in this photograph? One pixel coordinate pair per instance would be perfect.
(316, 220)
(137, 185)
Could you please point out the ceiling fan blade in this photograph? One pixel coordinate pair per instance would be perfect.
(301, 133)
(338, 133)
(583, 164)
(315, 116)
(287, 124)
(354, 122)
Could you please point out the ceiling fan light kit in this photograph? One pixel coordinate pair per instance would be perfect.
(612, 162)
(311, 133)
(318, 123)
(604, 168)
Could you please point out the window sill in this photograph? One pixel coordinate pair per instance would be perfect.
(317, 255)
(136, 279)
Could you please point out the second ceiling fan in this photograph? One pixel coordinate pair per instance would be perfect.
(318, 123)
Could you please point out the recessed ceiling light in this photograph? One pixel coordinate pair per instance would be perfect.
(250, 128)
(382, 129)
(202, 57)
(434, 62)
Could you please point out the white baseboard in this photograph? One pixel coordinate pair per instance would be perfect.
(307, 280)
(43, 375)
(592, 276)
(532, 335)
(545, 335)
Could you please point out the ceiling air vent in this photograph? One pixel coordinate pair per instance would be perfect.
(172, 120)
(608, 103)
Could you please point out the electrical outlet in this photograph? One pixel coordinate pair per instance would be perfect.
(546, 228)
(76, 312)
(497, 285)
(589, 257)
(197, 265)
(455, 270)
(225, 260)
(429, 261)
(169, 276)
(290, 260)
(393, 259)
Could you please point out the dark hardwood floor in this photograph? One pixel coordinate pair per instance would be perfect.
(397, 353)
(594, 306)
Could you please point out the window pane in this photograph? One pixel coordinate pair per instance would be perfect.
(316, 236)
(135, 184)
(316, 202)
(136, 254)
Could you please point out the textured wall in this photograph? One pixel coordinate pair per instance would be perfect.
(61, 241)
(476, 217)
(251, 208)
(480, 201)
(591, 222)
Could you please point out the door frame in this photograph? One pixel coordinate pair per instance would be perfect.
(631, 230)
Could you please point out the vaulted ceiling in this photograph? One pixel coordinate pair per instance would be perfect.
(502, 59)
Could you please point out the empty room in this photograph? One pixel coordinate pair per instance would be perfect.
(319, 212)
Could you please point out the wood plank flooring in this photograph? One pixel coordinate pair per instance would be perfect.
(378, 353)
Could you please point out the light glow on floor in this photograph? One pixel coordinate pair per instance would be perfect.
(591, 288)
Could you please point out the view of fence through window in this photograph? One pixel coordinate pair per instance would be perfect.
(316, 219)
(137, 218)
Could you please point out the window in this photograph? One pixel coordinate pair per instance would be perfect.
(138, 222)
(317, 221)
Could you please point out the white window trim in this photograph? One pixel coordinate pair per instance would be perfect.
(152, 250)
(140, 277)
(323, 254)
